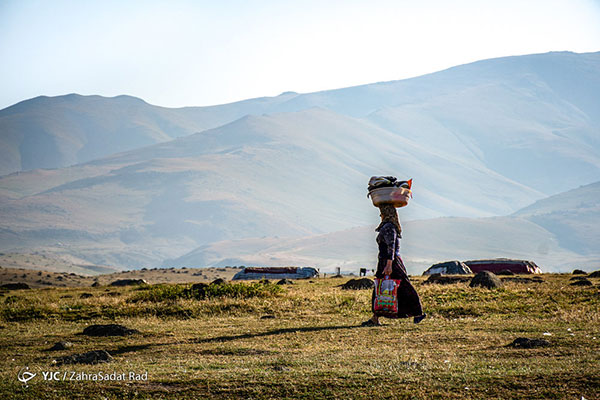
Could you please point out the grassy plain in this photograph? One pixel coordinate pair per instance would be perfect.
(25, 268)
(305, 341)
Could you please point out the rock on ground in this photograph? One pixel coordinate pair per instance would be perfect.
(91, 357)
(129, 282)
(486, 279)
(358, 284)
(15, 286)
(446, 280)
(582, 282)
(579, 272)
(595, 274)
(521, 279)
(526, 343)
(285, 282)
(197, 291)
(62, 345)
(108, 330)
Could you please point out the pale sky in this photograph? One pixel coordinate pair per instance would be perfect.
(193, 53)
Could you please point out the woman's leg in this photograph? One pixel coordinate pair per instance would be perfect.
(409, 303)
(374, 320)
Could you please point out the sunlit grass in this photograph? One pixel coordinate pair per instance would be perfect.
(304, 341)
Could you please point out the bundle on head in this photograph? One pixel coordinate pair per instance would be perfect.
(389, 190)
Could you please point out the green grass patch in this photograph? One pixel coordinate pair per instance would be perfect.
(218, 344)
(166, 292)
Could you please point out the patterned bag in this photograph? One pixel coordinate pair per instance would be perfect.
(385, 297)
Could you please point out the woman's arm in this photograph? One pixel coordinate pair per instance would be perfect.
(389, 237)
(388, 268)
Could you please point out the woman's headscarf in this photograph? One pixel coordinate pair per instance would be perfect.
(389, 214)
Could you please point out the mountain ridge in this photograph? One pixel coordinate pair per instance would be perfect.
(523, 235)
(358, 100)
(476, 146)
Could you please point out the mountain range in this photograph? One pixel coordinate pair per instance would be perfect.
(131, 184)
(531, 233)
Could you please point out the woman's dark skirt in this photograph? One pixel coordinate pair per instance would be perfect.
(409, 303)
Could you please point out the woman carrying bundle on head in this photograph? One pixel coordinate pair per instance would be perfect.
(390, 268)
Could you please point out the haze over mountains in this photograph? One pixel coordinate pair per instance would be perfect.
(574, 216)
(480, 140)
(560, 233)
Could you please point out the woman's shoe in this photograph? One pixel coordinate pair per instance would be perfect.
(420, 318)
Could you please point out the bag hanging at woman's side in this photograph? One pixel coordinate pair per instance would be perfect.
(385, 300)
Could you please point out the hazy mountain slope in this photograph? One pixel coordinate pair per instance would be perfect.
(53, 132)
(570, 76)
(479, 140)
(287, 174)
(555, 143)
(313, 154)
(533, 119)
(40, 260)
(573, 217)
(559, 90)
(424, 243)
(560, 233)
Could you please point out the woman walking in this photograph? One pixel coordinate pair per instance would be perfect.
(390, 264)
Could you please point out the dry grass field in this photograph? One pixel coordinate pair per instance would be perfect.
(29, 269)
(304, 340)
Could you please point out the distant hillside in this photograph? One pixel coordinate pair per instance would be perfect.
(425, 242)
(54, 132)
(573, 217)
(480, 140)
(291, 174)
(559, 233)
(50, 261)
(542, 107)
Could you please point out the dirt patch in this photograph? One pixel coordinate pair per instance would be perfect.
(37, 276)
(527, 343)
(358, 284)
(91, 357)
(578, 278)
(582, 282)
(445, 279)
(520, 279)
(15, 286)
(236, 352)
(129, 282)
(108, 330)
(62, 345)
